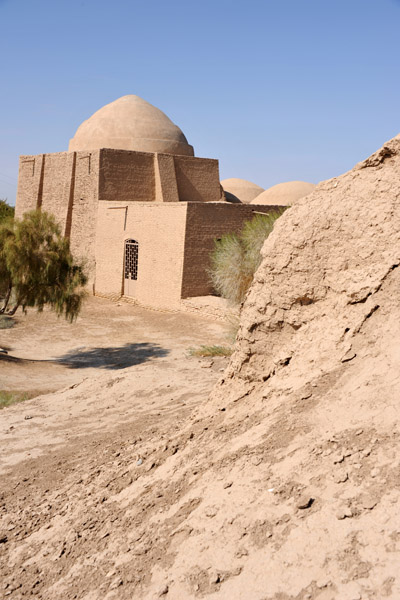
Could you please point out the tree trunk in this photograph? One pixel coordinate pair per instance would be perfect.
(6, 300)
(13, 310)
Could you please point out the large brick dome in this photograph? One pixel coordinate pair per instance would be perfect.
(130, 123)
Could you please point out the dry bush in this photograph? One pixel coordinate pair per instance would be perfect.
(236, 257)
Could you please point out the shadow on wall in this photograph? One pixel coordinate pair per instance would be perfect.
(186, 190)
(112, 358)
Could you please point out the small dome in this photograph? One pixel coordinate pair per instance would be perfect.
(130, 123)
(284, 194)
(240, 189)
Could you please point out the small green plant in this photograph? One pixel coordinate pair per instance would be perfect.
(208, 351)
(8, 398)
(236, 257)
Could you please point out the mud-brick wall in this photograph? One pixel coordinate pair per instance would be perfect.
(30, 178)
(64, 184)
(126, 176)
(82, 217)
(44, 182)
(197, 179)
(56, 177)
(159, 229)
(205, 222)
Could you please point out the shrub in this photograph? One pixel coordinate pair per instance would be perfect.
(6, 211)
(236, 257)
(37, 267)
(205, 351)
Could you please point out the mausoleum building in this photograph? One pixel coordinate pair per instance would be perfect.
(138, 207)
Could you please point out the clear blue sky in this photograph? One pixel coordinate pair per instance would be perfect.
(275, 89)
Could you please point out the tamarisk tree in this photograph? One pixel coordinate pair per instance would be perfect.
(37, 267)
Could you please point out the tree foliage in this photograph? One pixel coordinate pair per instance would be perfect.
(6, 211)
(37, 267)
(236, 257)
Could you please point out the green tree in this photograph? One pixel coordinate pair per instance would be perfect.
(236, 257)
(37, 267)
(6, 210)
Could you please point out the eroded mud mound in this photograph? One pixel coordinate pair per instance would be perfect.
(285, 483)
(328, 258)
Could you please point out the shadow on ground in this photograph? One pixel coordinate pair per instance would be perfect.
(112, 358)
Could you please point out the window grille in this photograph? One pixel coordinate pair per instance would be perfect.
(131, 259)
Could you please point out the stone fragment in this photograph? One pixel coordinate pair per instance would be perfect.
(343, 513)
(241, 552)
(340, 477)
(227, 485)
(323, 583)
(163, 591)
(304, 502)
(215, 577)
(207, 364)
(368, 502)
(338, 458)
(348, 356)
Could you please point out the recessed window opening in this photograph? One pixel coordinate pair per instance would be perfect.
(131, 259)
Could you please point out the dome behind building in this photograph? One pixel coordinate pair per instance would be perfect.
(241, 189)
(130, 123)
(284, 194)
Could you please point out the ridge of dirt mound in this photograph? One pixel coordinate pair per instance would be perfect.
(284, 485)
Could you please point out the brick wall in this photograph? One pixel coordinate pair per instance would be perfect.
(30, 181)
(64, 184)
(166, 186)
(55, 177)
(81, 221)
(197, 179)
(159, 228)
(126, 176)
(205, 222)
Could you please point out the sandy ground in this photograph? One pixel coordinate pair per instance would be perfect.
(107, 336)
(110, 342)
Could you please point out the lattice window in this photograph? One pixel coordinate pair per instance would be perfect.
(131, 259)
